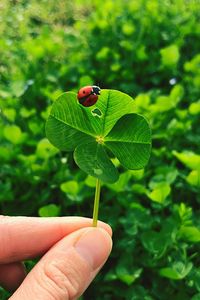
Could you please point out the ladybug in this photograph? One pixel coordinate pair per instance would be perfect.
(88, 95)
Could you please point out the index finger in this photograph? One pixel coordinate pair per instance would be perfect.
(27, 237)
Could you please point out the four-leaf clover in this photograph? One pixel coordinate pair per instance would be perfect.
(110, 128)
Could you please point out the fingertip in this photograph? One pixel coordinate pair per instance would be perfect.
(94, 245)
(105, 226)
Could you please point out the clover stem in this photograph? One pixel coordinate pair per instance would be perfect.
(96, 203)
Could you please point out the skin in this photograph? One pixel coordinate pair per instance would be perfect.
(72, 254)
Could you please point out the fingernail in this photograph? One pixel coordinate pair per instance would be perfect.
(94, 246)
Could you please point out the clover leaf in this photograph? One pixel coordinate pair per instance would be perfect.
(109, 128)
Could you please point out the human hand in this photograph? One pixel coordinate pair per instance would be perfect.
(73, 253)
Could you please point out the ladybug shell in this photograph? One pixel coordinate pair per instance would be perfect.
(89, 101)
(86, 96)
(85, 91)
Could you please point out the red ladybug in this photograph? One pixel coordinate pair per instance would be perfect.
(88, 95)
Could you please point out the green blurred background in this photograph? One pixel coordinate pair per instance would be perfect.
(149, 49)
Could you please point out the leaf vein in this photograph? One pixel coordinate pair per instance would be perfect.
(70, 125)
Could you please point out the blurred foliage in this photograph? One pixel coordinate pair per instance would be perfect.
(149, 49)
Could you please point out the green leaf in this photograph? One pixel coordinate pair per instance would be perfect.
(142, 101)
(185, 214)
(190, 233)
(178, 270)
(163, 104)
(131, 146)
(137, 174)
(13, 134)
(34, 126)
(126, 275)
(121, 184)
(51, 210)
(176, 94)
(63, 136)
(195, 277)
(18, 87)
(26, 113)
(138, 189)
(160, 193)
(72, 127)
(194, 108)
(93, 159)
(103, 53)
(170, 55)
(113, 105)
(194, 178)
(70, 187)
(154, 242)
(90, 181)
(5, 153)
(10, 114)
(128, 28)
(169, 273)
(45, 149)
(189, 159)
(67, 125)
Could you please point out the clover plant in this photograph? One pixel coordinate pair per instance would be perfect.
(110, 128)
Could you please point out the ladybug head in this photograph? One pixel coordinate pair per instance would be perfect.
(96, 90)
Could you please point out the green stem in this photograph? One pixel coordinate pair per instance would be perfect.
(96, 203)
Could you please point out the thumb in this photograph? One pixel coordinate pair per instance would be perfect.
(67, 269)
